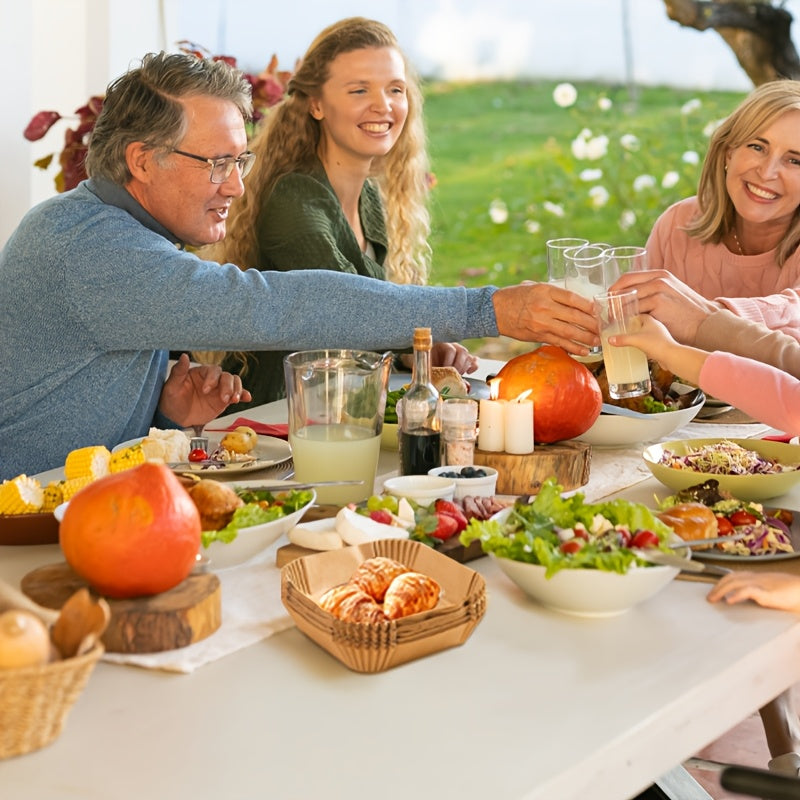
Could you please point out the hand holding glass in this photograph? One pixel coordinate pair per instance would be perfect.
(585, 274)
(627, 370)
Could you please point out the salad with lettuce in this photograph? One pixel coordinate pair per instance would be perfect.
(567, 533)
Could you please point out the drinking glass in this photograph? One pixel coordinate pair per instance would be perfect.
(627, 369)
(585, 274)
(625, 259)
(336, 403)
(555, 257)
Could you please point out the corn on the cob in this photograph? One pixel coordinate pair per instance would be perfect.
(21, 495)
(87, 462)
(53, 495)
(126, 458)
(71, 487)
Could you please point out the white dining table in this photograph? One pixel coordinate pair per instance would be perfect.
(535, 705)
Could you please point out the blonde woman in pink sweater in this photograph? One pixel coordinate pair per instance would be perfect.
(735, 245)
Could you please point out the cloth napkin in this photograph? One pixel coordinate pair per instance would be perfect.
(278, 430)
(251, 611)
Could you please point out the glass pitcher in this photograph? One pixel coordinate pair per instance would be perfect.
(336, 403)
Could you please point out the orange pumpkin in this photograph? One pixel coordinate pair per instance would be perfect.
(566, 396)
(132, 533)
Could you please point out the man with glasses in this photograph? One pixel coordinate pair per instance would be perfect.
(96, 285)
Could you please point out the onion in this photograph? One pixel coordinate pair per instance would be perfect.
(24, 640)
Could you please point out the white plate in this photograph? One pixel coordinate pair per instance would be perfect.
(268, 452)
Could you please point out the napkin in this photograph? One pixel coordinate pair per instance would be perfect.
(783, 437)
(278, 430)
(251, 611)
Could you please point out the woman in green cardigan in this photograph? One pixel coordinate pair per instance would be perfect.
(340, 181)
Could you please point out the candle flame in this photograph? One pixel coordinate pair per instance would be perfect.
(494, 388)
(523, 396)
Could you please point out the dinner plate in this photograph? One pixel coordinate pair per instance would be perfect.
(718, 555)
(268, 452)
(477, 388)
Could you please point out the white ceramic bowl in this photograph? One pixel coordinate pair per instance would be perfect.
(616, 430)
(744, 487)
(484, 486)
(249, 542)
(422, 489)
(585, 592)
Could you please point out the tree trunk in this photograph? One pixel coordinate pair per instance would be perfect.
(756, 31)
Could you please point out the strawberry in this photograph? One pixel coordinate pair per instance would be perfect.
(381, 515)
(447, 526)
(452, 510)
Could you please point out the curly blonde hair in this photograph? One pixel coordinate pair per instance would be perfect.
(288, 140)
(763, 106)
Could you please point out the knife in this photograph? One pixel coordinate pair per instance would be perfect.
(684, 564)
(288, 486)
(702, 542)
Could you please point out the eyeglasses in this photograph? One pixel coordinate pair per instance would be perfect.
(221, 168)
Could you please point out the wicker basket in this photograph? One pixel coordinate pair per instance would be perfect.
(35, 701)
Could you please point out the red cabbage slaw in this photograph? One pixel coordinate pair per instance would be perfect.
(724, 458)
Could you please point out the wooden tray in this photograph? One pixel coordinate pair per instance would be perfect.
(183, 615)
(24, 529)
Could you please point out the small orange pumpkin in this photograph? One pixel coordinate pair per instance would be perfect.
(566, 396)
(132, 533)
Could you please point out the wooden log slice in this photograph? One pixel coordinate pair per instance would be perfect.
(568, 462)
(185, 614)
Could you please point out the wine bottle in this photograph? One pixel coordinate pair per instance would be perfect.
(418, 413)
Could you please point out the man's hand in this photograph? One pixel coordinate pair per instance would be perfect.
(541, 312)
(196, 395)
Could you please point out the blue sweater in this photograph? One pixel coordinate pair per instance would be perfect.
(94, 293)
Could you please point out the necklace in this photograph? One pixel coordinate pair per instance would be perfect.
(738, 243)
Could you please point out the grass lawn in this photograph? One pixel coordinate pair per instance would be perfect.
(510, 141)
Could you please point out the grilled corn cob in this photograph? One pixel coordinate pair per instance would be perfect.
(71, 487)
(87, 462)
(126, 458)
(53, 495)
(21, 495)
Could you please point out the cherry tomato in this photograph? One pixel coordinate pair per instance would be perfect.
(381, 515)
(724, 526)
(198, 454)
(742, 517)
(571, 545)
(645, 539)
(580, 533)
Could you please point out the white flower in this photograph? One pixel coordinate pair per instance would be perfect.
(565, 95)
(578, 147)
(604, 103)
(690, 157)
(498, 212)
(670, 179)
(629, 142)
(532, 226)
(553, 208)
(627, 219)
(599, 196)
(711, 127)
(589, 175)
(690, 105)
(641, 182)
(596, 147)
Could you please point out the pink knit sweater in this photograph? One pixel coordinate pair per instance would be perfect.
(753, 287)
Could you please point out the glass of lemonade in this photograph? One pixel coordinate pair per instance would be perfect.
(585, 274)
(336, 403)
(627, 369)
(555, 257)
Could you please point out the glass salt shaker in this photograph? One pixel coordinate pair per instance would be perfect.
(459, 431)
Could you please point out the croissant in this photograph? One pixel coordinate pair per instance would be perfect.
(350, 603)
(376, 574)
(410, 593)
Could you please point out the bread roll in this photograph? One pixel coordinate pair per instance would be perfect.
(216, 503)
(375, 575)
(410, 593)
(448, 381)
(350, 603)
(690, 521)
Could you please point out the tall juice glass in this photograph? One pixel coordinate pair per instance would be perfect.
(627, 369)
(336, 403)
(555, 257)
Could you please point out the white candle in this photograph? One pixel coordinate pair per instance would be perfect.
(519, 425)
(491, 421)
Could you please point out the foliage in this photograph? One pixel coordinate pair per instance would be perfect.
(268, 87)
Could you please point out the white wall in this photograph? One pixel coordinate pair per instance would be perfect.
(59, 52)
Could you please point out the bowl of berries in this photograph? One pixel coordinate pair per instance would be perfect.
(471, 480)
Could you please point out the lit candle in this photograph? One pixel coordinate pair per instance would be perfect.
(519, 425)
(491, 421)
